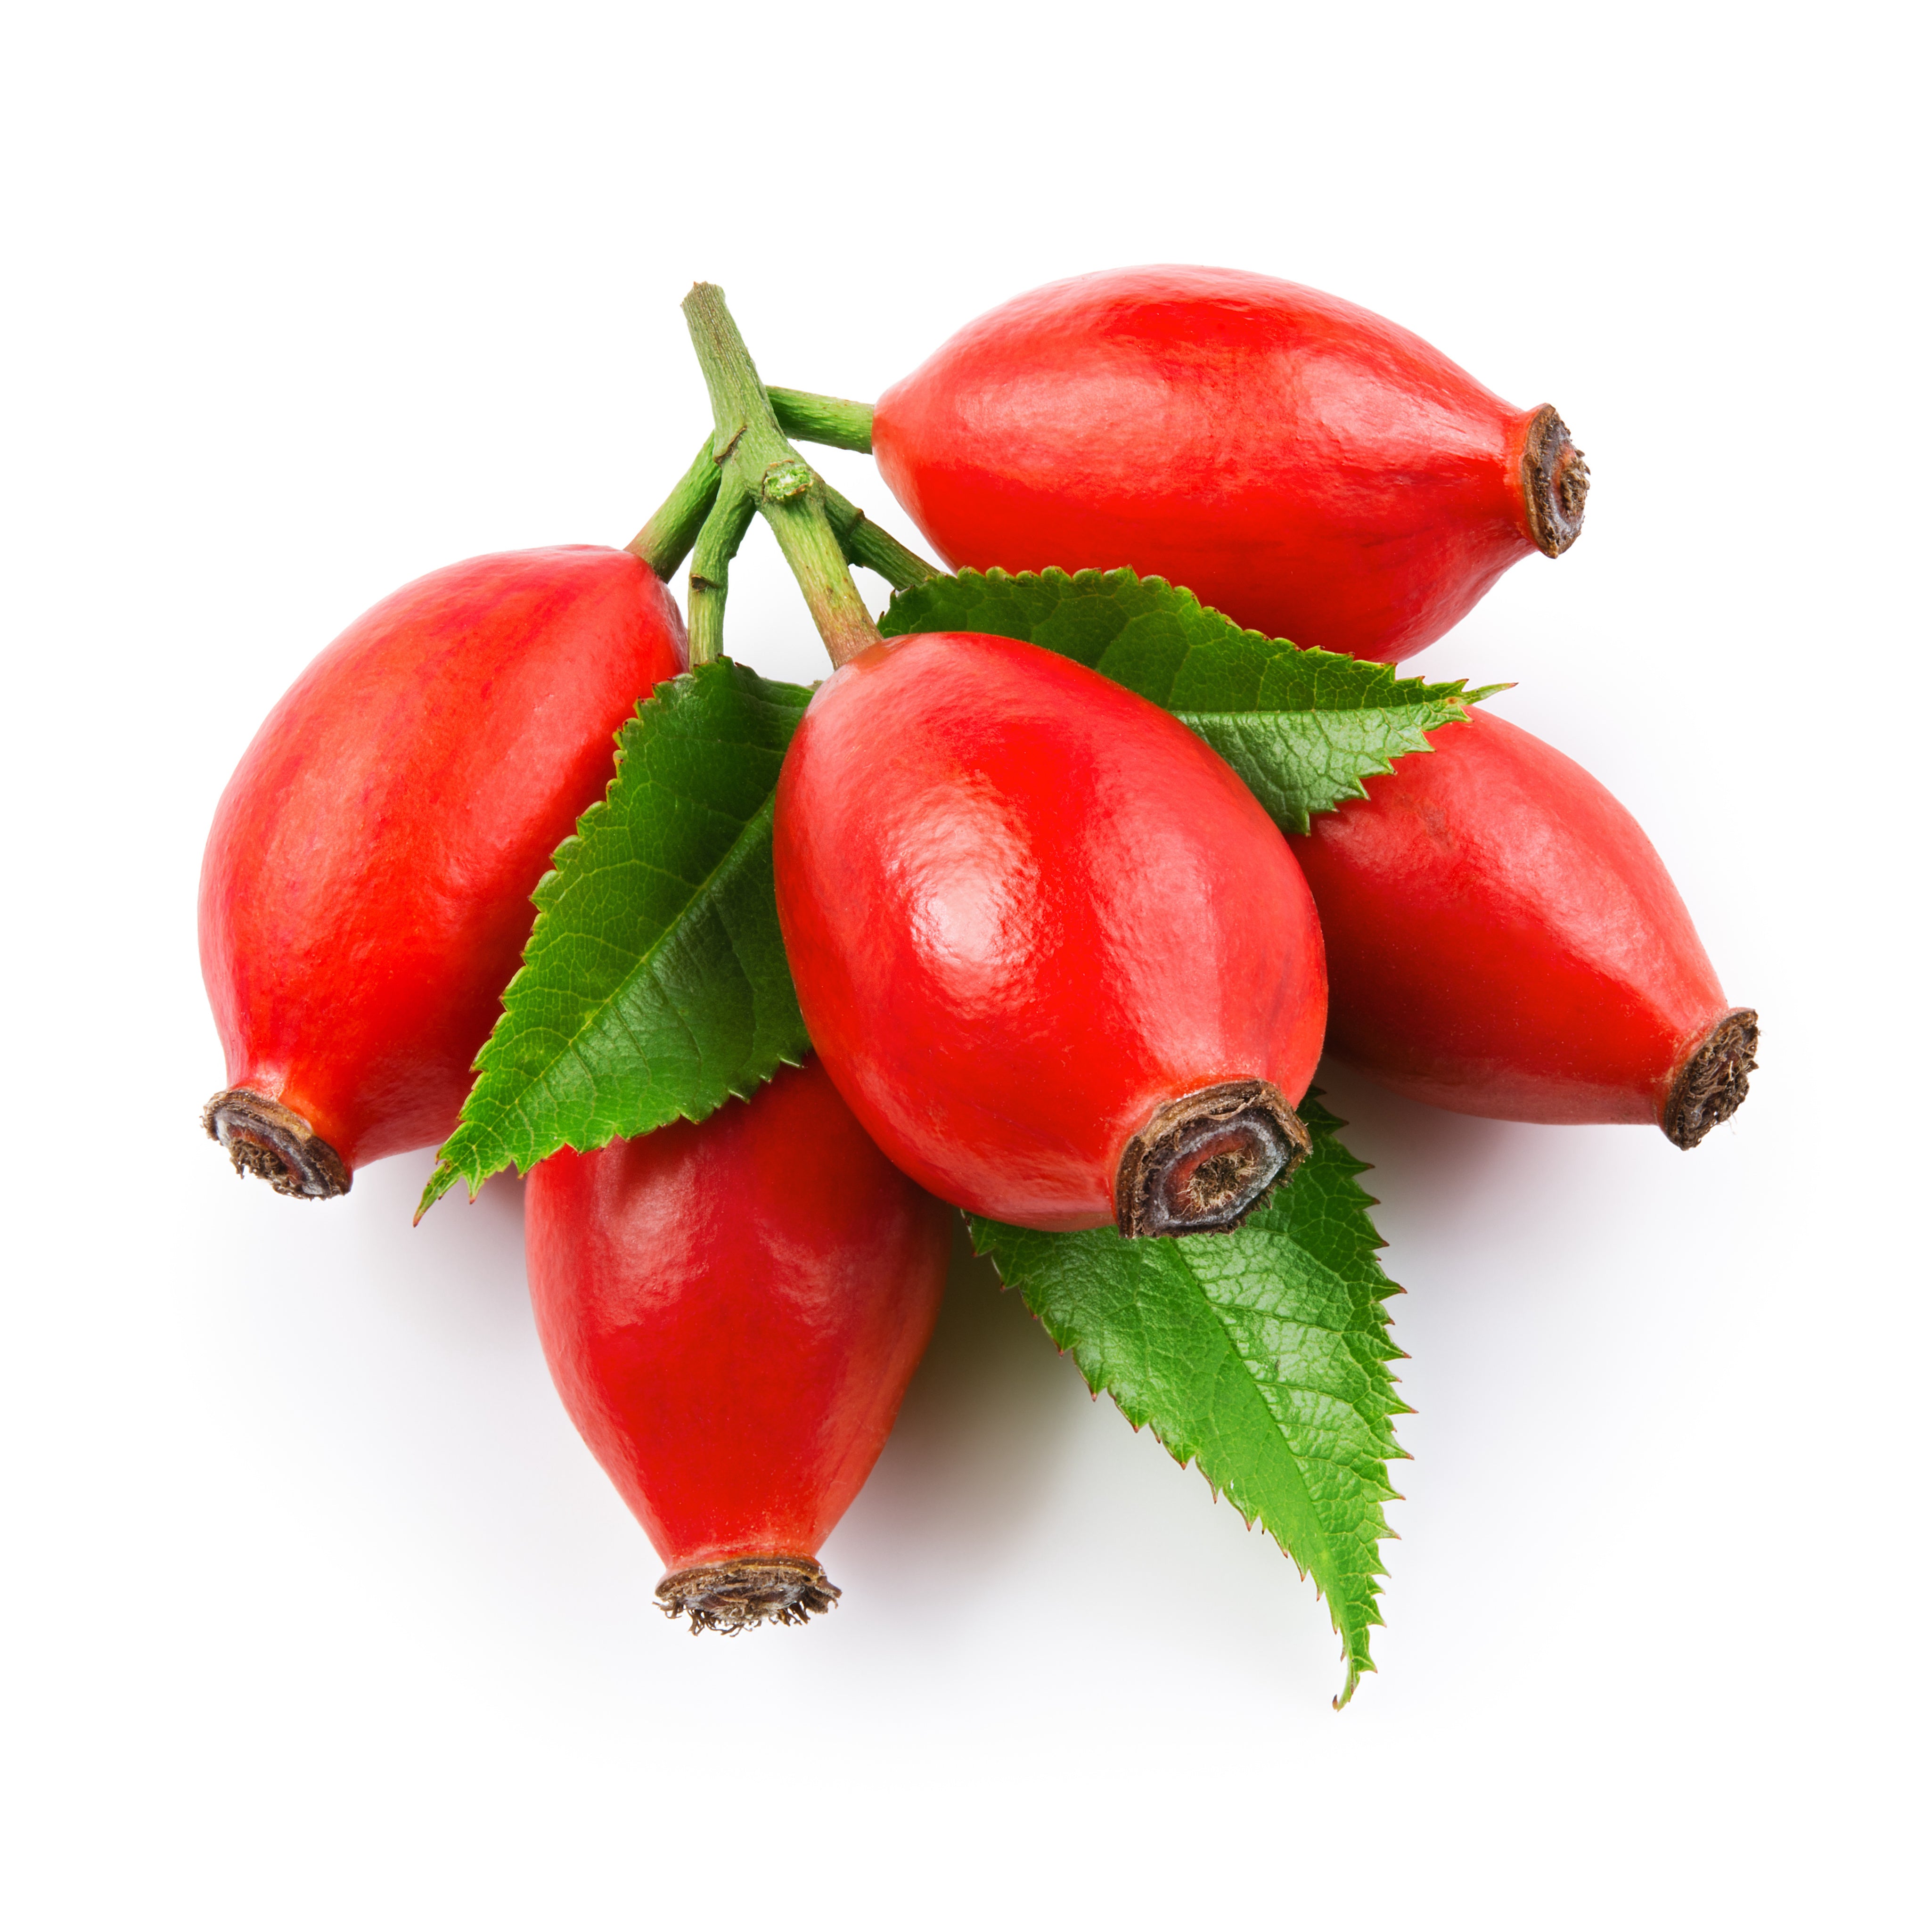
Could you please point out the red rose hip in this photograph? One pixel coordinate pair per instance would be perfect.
(731, 1311)
(1311, 469)
(365, 895)
(1503, 940)
(1057, 959)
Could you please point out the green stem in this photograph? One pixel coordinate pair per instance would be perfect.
(665, 542)
(718, 544)
(864, 543)
(827, 419)
(750, 446)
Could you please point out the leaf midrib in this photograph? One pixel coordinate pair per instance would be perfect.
(727, 864)
(1252, 1386)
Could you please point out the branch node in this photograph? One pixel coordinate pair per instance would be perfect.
(791, 476)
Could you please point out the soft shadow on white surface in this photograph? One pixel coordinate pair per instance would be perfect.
(1009, 1498)
(972, 1461)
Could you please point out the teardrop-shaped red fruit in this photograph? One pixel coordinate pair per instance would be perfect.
(731, 1312)
(1503, 940)
(365, 895)
(1059, 961)
(1304, 466)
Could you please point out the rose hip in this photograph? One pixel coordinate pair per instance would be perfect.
(1504, 940)
(1057, 959)
(1313, 470)
(731, 1311)
(366, 891)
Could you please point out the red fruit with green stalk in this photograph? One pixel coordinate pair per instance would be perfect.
(1504, 940)
(731, 1311)
(366, 890)
(1055, 955)
(1305, 465)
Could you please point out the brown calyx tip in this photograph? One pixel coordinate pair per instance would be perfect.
(733, 1596)
(1203, 1163)
(1556, 481)
(1711, 1084)
(265, 1137)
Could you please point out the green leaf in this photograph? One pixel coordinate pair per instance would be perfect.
(1262, 1356)
(654, 986)
(1303, 727)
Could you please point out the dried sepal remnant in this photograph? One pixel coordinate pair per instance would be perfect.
(729, 1597)
(1204, 1162)
(264, 1138)
(1711, 1085)
(1555, 483)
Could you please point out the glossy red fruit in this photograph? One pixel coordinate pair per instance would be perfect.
(1503, 940)
(365, 895)
(731, 1312)
(1058, 961)
(1315, 471)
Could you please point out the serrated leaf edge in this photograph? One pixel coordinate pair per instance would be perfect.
(445, 1174)
(1356, 1667)
(1450, 690)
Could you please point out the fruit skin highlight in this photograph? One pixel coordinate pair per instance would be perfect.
(1313, 470)
(731, 1311)
(1503, 940)
(365, 895)
(1058, 961)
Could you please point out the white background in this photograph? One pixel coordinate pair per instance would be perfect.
(316, 1613)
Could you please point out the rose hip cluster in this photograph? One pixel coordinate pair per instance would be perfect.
(1057, 966)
